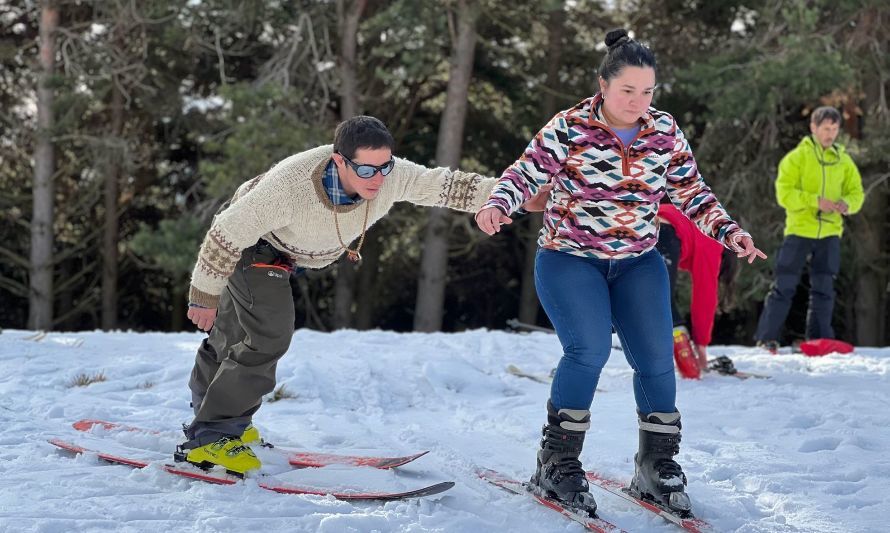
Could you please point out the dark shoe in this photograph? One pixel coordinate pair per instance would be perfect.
(657, 477)
(770, 346)
(722, 365)
(559, 474)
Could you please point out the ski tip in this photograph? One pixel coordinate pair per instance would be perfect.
(87, 424)
(399, 461)
(487, 473)
(440, 487)
(66, 445)
(431, 490)
(417, 455)
(500, 480)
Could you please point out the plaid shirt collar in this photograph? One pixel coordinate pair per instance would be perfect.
(332, 185)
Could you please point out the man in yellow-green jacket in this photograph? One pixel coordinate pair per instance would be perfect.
(818, 184)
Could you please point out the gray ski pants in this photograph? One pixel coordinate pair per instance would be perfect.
(235, 365)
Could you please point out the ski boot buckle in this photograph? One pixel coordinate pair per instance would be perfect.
(679, 501)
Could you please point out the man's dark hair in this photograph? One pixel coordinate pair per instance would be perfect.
(821, 114)
(361, 132)
(624, 51)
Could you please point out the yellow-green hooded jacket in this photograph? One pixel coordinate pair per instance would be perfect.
(809, 172)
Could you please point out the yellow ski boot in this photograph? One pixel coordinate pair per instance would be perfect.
(227, 452)
(251, 435)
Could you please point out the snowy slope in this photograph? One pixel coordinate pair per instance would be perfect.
(805, 451)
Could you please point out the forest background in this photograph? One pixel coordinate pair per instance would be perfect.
(125, 124)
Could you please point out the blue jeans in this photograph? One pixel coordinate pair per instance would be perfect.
(584, 298)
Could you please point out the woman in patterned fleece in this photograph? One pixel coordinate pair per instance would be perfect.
(610, 159)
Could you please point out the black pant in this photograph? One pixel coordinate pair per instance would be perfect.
(669, 247)
(824, 266)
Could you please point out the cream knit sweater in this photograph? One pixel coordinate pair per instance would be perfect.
(289, 207)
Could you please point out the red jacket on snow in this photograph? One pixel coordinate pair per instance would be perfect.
(700, 256)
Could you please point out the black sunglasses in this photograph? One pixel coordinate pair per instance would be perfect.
(367, 171)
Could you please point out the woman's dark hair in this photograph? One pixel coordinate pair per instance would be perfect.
(623, 52)
(361, 132)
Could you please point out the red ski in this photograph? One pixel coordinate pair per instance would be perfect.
(294, 457)
(265, 482)
(516, 487)
(693, 525)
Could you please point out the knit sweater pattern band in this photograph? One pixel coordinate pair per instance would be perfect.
(605, 195)
(288, 207)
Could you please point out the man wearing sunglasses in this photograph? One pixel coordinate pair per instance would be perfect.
(370, 175)
(818, 184)
(302, 213)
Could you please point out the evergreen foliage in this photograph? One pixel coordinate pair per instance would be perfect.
(217, 91)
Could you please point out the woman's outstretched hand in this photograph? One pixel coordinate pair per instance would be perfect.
(749, 250)
(490, 220)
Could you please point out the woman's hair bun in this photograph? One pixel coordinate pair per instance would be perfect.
(616, 38)
(623, 52)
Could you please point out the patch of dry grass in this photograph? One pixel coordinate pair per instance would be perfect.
(82, 380)
(281, 393)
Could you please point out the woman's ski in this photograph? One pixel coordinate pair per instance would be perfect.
(516, 487)
(693, 525)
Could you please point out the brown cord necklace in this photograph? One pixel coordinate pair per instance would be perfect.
(353, 255)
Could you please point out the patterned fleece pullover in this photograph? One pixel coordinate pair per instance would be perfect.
(605, 195)
(289, 207)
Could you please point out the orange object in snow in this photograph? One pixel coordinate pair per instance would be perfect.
(684, 354)
(820, 347)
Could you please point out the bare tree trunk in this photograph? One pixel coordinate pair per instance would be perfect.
(528, 296)
(348, 19)
(110, 233)
(366, 301)
(429, 308)
(177, 317)
(869, 226)
(349, 104)
(344, 293)
(871, 282)
(40, 314)
(64, 297)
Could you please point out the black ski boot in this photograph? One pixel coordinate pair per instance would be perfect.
(722, 365)
(559, 474)
(657, 477)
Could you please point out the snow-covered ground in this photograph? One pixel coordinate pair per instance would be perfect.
(804, 451)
